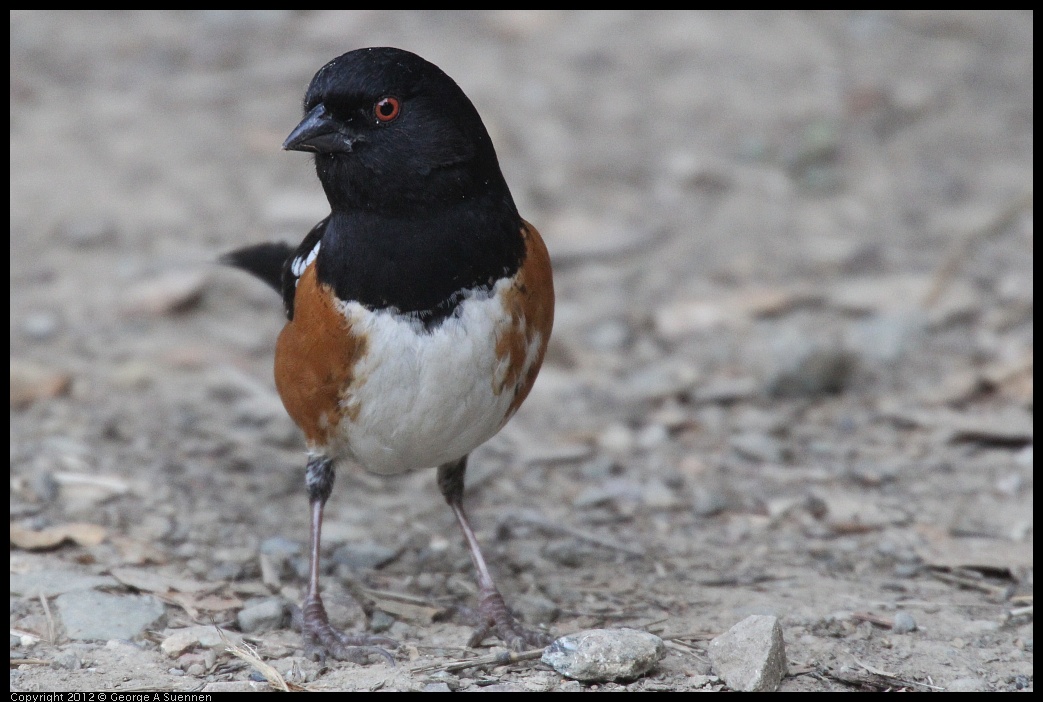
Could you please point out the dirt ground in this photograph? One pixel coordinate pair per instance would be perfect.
(791, 371)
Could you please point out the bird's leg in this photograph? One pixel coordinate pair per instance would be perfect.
(320, 638)
(494, 617)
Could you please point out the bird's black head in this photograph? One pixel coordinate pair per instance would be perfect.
(392, 132)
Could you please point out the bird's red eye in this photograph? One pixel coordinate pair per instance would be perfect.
(387, 109)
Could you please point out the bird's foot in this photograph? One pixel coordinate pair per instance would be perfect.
(493, 617)
(321, 639)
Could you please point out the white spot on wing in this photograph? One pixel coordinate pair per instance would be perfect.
(299, 264)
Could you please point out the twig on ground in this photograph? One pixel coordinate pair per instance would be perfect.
(52, 633)
(504, 658)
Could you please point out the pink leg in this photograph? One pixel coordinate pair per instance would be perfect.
(320, 638)
(494, 615)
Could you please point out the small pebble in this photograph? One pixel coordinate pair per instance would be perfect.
(226, 571)
(87, 231)
(710, 499)
(381, 621)
(1009, 485)
(536, 609)
(40, 326)
(265, 615)
(602, 655)
(67, 661)
(820, 371)
(758, 447)
(570, 553)
(607, 336)
(652, 436)
(616, 439)
(280, 546)
(362, 556)
(908, 570)
(660, 379)
(31, 381)
(658, 495)
(903, 623)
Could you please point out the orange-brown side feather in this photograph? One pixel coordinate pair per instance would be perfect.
(315, 359)
(530, 304)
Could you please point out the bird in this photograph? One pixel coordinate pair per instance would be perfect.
(418, 311)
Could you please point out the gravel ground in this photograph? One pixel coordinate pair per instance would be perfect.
(791, 373)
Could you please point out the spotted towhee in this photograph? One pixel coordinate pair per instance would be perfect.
(419, 309)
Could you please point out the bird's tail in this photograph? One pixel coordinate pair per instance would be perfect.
(266, 261)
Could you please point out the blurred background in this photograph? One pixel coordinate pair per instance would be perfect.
(793, 344)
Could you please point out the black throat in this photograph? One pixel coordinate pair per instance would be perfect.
(421, 263)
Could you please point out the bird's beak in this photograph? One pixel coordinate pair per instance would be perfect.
(319, 132)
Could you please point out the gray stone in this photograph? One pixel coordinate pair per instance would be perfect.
(665, 378)
(710, 499)
(723, 390)
(67, 660)
(602, 655)
(96, 616)
(263, 616)
(52, 583)
(535, 608)
(751, 656)
(884, 338)
(381, 621)
(40, 326)
(362, 556)
(608, 335)
(903, 623)
(819, 371)
(279, 546)
(569, 552)
(658, 495)
(758, 447)
(87, 231)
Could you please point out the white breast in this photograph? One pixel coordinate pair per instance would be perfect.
(419, 398)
